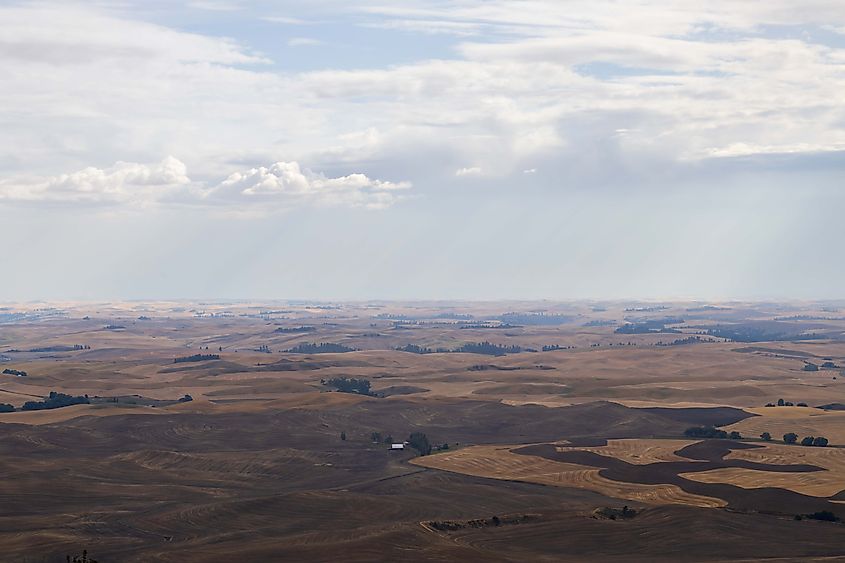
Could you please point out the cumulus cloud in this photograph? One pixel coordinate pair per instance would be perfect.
(281, 186)
(286, 183)
(123, 183)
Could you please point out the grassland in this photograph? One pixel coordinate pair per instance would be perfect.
(254, 468)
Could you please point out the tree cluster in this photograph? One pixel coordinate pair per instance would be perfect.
(321, 348)
(196, 358)
(818, 441)
(414, 349)
(55, 401)
(349, 385)
(536, 319)
(553, 347)
(419, 442)
(710, 432)
(488, 349)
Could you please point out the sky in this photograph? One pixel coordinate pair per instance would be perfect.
(422, 149)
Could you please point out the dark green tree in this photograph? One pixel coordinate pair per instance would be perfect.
(790, 438)
(808, 440)
(343, 436)
(705, 432)
(419, 442)
(766, 436)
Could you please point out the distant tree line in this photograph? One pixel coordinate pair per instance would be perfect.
(657, 326)
(711, 432)
(62, 348)
(488, 348)
(684, 341)
(414, 349)
(536, 319)
(55, 401)
(196, 358)
(598, 323)
(769, 332)
(292, 329)
(782, 403)
(17, 372)
(321, 348)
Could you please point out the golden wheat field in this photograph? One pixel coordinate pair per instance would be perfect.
(636, 451)
(499, 462)
(817, 483)
(804, 421)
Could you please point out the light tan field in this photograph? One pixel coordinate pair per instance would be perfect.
(75, 411)
(499, 462)
(818, 483)
(803, 421)
(638, 452)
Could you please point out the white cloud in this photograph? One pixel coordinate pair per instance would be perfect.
(123, 183)
(551, 85)
(286, 184)
(283, 185)
(470, 171)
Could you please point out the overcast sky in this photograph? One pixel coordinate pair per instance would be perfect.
(472, 149)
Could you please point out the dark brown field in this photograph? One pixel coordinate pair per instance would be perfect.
(254, 467)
